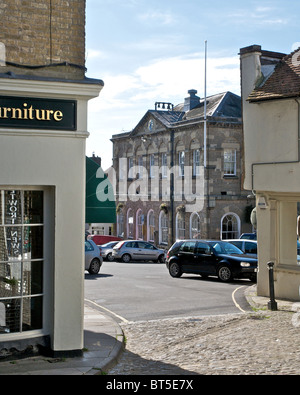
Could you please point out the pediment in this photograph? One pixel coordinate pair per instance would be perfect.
(148, 124)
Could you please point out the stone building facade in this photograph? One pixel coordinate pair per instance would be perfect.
(174, 183)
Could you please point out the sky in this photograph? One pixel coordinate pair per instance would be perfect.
(153, 50)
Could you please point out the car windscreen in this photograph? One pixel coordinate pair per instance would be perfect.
(221, 247)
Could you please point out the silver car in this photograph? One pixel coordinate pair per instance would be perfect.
(107, 249)
(137, 250)
(93, 258)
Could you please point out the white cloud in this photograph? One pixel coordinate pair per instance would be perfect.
(167, 80)
(175, 76)
(295, 46)
(125, 98)
(164, 18)
(260, 16)
(92, 54)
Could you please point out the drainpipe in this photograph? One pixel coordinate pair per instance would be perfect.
(172, 187)
(205, 119)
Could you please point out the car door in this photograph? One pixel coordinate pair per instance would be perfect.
(204, 259)
(89, 253)
(186, 256)
(150, 251)
(138, 250)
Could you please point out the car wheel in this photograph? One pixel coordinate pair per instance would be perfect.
(126, 258)
(175, 270)
(94, 266)
(253, 278)
(109, 257)
(224, 273)
(160, 259)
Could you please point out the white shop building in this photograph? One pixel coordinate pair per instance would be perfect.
(43, 131)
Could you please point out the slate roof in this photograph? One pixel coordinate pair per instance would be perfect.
(224, 104)
(283, 82)
(221, 106)
(168, 118)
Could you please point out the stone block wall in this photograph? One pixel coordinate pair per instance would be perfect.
(43, 33)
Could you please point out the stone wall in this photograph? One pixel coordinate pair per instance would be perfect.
(42, 33)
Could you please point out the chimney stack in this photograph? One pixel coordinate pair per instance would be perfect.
(192, 101)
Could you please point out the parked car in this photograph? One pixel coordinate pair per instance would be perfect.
(93, 258)
(210, 258)
(248, 247)
(107, 249)
(253, 236)
(137, 250)
(249, 236)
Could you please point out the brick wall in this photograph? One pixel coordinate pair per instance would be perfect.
(43, 32)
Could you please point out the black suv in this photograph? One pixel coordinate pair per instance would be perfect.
(210, 258)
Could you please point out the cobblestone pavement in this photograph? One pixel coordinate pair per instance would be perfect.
(258, 343)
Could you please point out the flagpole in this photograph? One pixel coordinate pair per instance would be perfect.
(205, 120)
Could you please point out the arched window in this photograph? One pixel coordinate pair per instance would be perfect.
(139, 224)
(195, 226)
(230, 226)
(130, 224)
(151, 226)
(163, 227)
(180, 226)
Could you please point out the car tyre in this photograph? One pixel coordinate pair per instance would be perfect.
(175, 270)
(253, 278)
(160, 259)
(126, 258)
(224, 273)
(94, 266)
(109, 257)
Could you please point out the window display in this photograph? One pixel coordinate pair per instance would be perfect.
(21, 260)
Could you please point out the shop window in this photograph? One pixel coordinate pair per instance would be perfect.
(21, 260)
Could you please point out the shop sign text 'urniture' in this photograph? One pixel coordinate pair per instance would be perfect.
(21, 112)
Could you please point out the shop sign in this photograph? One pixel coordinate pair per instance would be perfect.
(35, 113)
